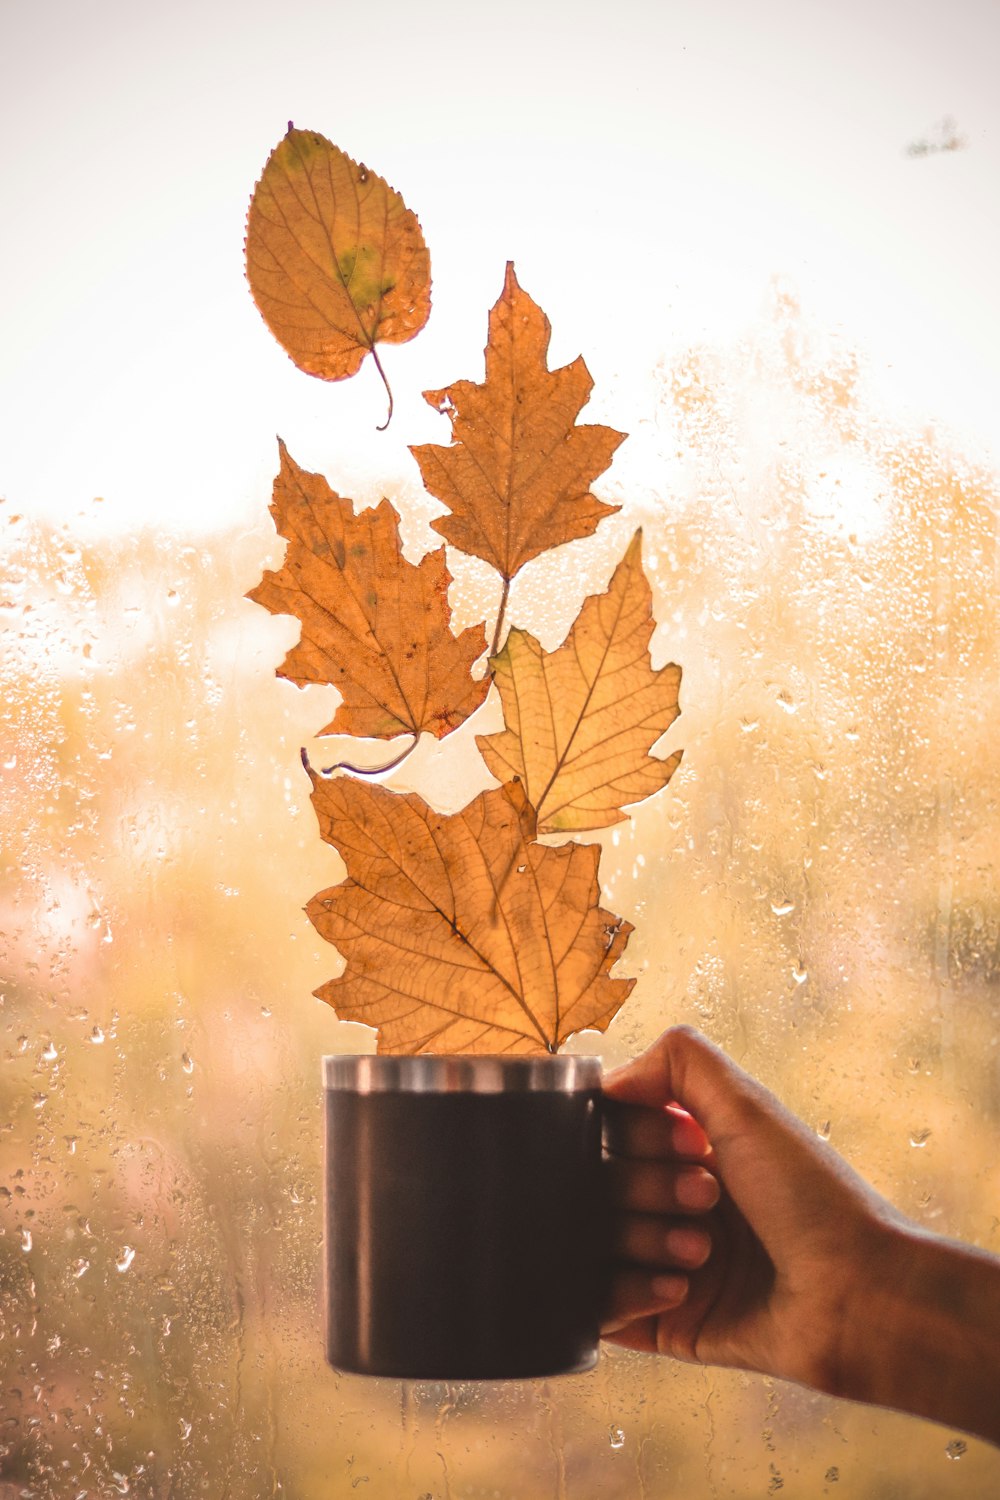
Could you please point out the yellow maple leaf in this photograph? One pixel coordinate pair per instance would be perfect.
(580, 720)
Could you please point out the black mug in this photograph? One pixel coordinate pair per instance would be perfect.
(464, 1223)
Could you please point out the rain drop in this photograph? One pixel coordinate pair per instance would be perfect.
(919, 1138)
(823, 1131)
(956, 1448)
(616, 1436)
(187, 1063)
(800, 973)
(96, 1037)
(26, 1239)
(782, 906)
(125, 1258)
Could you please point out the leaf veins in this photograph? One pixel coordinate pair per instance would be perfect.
(335, 260)
(580, 721)
(517, 477)
(374, 625)
(443, 953)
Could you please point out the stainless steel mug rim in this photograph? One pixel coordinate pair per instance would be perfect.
(487, 1073)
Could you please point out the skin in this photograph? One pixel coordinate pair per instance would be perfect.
(742, 1239)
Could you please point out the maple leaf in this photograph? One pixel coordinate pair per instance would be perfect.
(517, 476)
(443, 954)
(581, 720)
(335, 260)
(373, 624)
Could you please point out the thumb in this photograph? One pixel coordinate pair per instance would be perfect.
(685, 1068)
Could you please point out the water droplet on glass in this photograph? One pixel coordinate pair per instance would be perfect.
(96, 1037)
(50, 1054)
(782, 906)
(25, 1239)
(616, 1436)
(832, 1474)
(185, 1430)
(956, 1448)
(786, 701)
(187, 1063)
(800, 974)
(265, 1011)
(920, 1137)
(121, 1483)
(823, 1131)
(125, 1258)
(80, 1268)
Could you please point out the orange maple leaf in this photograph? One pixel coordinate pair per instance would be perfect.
(580, 720)
(335, 260)
(374, 625)
(517, 477)
(443, 953)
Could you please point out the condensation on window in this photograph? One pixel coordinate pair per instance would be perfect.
(816, 889)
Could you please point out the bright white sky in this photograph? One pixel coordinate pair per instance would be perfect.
(649, 167)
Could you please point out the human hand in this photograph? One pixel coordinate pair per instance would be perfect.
(740, 1237)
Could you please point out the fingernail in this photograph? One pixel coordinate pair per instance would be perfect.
(688, 1244)
(697, 1189)
(669, 1288)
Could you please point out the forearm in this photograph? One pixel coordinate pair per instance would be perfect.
(924, 1336)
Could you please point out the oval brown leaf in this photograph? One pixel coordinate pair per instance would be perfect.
(335, 260)
(461, 933)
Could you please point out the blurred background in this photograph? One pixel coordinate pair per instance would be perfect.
(772, 232)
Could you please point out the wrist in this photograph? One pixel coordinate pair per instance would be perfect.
(922, 1331)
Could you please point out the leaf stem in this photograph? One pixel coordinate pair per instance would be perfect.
(388, 388)
(495, 647)
(344, 765)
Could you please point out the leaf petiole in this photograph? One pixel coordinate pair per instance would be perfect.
(388, 388)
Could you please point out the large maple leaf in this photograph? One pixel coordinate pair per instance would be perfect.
(517, 476)
(580, 721)
(462, 934)
(335, 260)
(373, 624)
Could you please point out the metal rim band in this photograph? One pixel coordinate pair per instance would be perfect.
(486, 1074)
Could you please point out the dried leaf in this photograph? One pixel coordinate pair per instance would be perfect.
(582, 719)
(335, 260)
(517, 477)
(373, 624)
(445, 954)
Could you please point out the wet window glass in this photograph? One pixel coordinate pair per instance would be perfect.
(771, 245)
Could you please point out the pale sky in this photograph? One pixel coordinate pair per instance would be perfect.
(649, 168)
